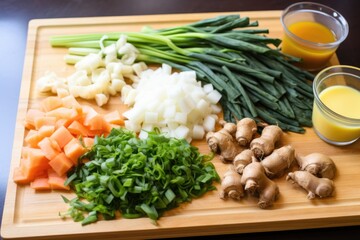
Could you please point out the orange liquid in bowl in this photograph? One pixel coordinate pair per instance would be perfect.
(313, 57)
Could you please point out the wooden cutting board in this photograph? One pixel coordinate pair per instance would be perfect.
(30, 214)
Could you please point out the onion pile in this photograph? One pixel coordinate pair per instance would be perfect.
(175, 103)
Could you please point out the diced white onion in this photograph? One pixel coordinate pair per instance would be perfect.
(175, 103)
(198, 132)
(101, 99)
(214, 96)
(208, 88)
(209, 123)
(181, 132)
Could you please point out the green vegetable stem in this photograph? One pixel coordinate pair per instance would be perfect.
(137, 177)
(229, 52)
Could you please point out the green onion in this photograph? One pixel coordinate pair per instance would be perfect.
(137, 177)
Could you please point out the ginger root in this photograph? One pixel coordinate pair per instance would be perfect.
(278, 161)
(246, 129)
(242, 160)
(258, 184)
(223, 142)
(265, 144)
(322, 187)
(231, 185)
(317, 164)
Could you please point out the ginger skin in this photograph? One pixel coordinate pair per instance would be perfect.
(242, 160)
(321, 187)
(246, 129)
(223, 142)
(257, 183)
(231, 185)
(265, 144)
(317, 164)
(278, 161)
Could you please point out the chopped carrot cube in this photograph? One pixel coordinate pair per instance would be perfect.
(49, 147)
(19, 177)
(90, 113)
(40, 184)
(33, 138)
(31, 114)
(88, 142)
(62, 136)
(57, 182)
(34, 164)
(114, 117)
(76, 128)
(71, 102)
(46, 131)
(51, 103)
(42, 121)
(73, 150)
(63, 113)
(61, 164)
(63, 122)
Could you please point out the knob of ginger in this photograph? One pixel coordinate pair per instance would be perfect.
(231, 185)
(258, 184)
(265, 144)
(279, 161)
(242, 160)
(322, 187)
(223, 142)
(246, 129)
(317, 164)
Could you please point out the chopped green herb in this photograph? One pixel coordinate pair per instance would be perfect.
(138, 177)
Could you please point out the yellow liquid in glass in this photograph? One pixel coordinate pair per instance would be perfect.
(313, 58)
(344, 101)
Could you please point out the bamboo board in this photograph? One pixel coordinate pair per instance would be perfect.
(30, 215)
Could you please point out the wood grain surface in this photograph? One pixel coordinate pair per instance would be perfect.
(35, 215)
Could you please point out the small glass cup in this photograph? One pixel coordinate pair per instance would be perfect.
(314, 55)
(331, 126)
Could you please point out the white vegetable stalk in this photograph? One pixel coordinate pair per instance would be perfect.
(98, 75)
(175, 103)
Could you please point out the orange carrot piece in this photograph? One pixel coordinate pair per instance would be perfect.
(57, 182)
(78, 129)
(62, 136)
(73, 150)
(19, 177)
(63, 113)
(31, 114)
(49, 147)
(88, 142)
(89, 113)
(33, 138)
(94, 121)
(71, 102)
(25, 151)
(46, 131)
(35, 164)
(114, 117)
(51, 103)
(98, 123)
(42, 121)
(63, 122)
(40, 184)
(61, 164)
